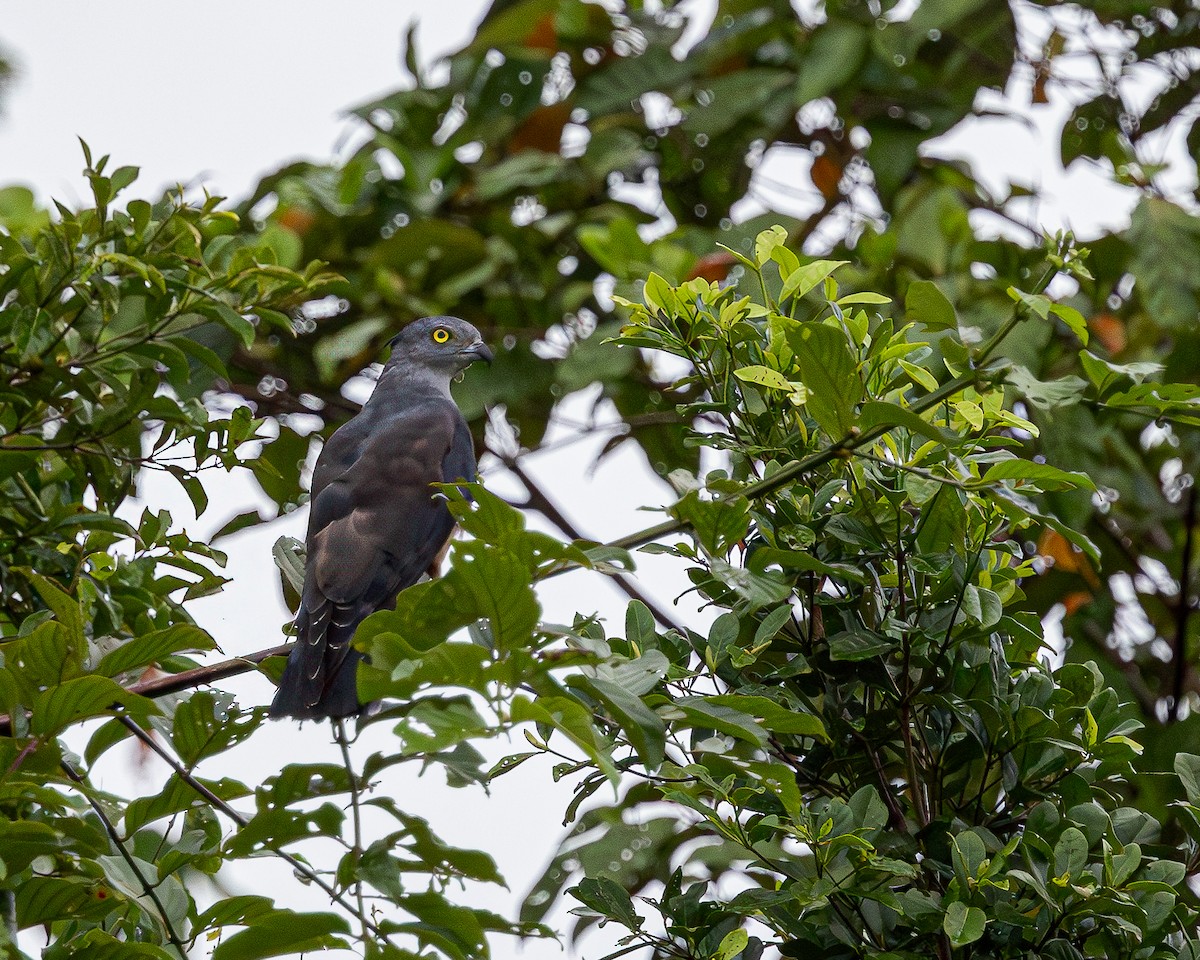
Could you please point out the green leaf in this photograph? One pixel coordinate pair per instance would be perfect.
(865, 297)
(644, 728)
(771, 715)
(757, 589)
(572, 718)
(176, 796)
(349, 342)
(493, 584)
(152, 647)
(279, 466)
(963, 924)
(639, 624)
(1104, 374)
(638, 676)
(608, 899)
(659, 295)
(240, 521)
(719, 524)
(207, 724)
(803, 279)
(1070, 853)
(49, 654)
(23, 841)
(830, 373)
(1040, 474)
(876, 413)
(919, 375)
(51, 899)
(761, 558)
(733, 943)
(967, 854)
(57, 708)
(234, 911)
(275, 827)
(1125, 863)
(66, 607)
(455, 930)
(1047, 394)
(834, 56)
(944, 524)
(1022, 508)
(1073, 319)
(925, 303)
(764, 377)
(1037, 303)
(233, 321)
(766, 242)
(982, 605)
(703, 712)
(282, 932)
(1187, 769)
(98, 944)
(858, 645)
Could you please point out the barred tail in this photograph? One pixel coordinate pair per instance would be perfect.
(321, 676)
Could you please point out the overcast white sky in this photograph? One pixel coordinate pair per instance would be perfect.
(226, 91)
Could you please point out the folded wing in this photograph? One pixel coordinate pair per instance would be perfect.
(376, 526)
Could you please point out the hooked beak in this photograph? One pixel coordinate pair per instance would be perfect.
(479, 350)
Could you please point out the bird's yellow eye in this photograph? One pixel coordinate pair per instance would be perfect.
(441, 335)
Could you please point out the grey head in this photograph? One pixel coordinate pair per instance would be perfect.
(440, 345)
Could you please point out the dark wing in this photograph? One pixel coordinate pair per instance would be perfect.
(376, 525)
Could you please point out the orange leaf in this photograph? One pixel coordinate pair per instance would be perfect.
(1038, 94)
(541, 130)
(1054, 547)
(296, 219)
(730, 65)
(1076, 599)
(1109, 330)
(543, 36)
(826, 174)
(713, 267)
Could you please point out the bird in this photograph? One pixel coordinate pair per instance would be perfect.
(376, 524)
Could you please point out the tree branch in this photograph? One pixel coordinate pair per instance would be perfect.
(843, 449)
(111, 830)
(539, 500)
(188, 679)
(1183, 605)
(8, 906)
(296, 863)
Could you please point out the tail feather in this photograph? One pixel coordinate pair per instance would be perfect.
(321, 676)
(298, 697)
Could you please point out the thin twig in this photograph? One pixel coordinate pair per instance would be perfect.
(8, 906)
(540, 501)
(147, 887)
(173, 683)
(841, 450)
(297, 864)
(1183, 605)
(182, 772)
(343, 742)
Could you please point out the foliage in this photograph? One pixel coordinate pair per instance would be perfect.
(568, 150)
(110, 321)
(869, 739)
(866, 753)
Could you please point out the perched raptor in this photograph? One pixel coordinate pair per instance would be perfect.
(375, 524)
